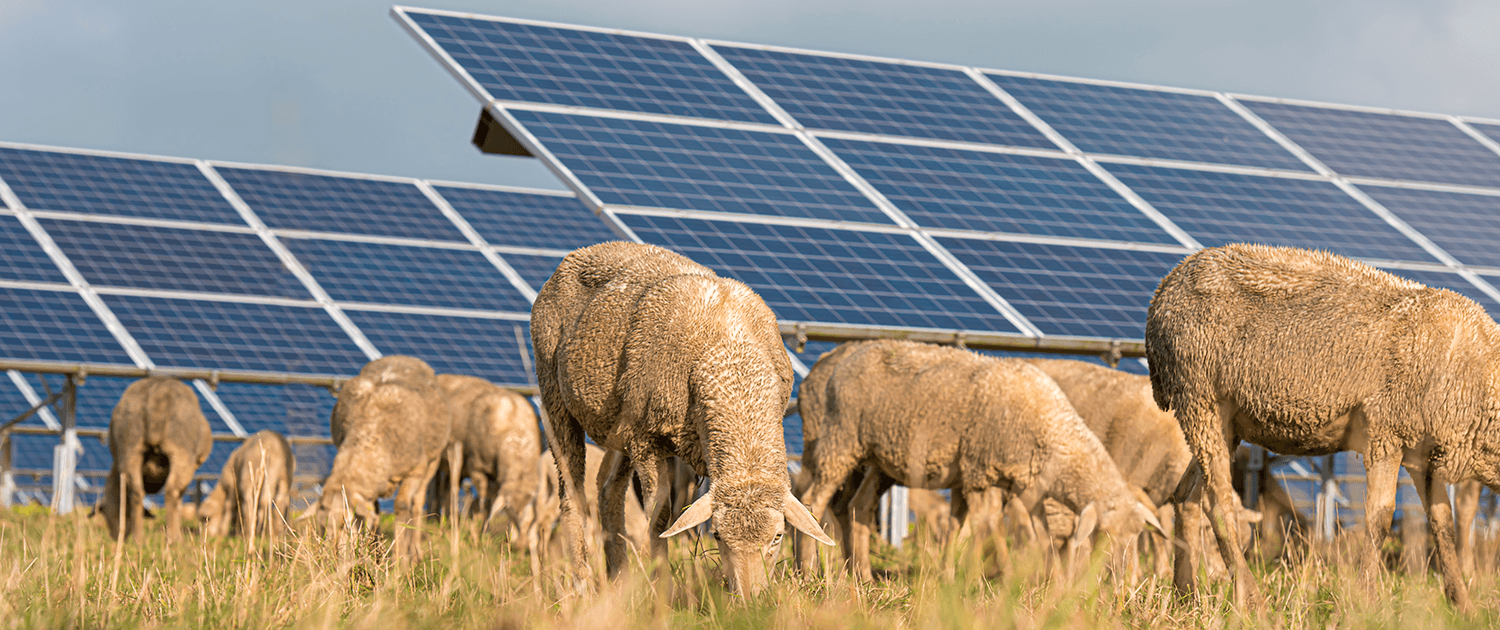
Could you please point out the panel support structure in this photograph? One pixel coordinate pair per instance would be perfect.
(895, 515)
(65, 455)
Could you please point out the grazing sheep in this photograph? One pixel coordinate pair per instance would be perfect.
(391, 425)
(254, 487)
(935, 417)
(158, 437)
(1309, 353)
(501, 442)
(653, 355)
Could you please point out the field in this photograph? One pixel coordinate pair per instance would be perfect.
(58, 572)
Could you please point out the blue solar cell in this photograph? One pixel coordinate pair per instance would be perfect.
(486, 348)
(1148, 123)
(534, 269)
(528, 220)
(54, 326)
(34, 452)
(1466, 226)
(70, 182)
(995, 192)
(286, 409)
(21, 257)
(1083, 291)
(628, 162)
(1452, 282)
(1385, 145)
(419, 276)
(324, 203)
(12, 404)
(541, 64)
(96, 398)
(837, 276)
(109, 254)
(1220, 208)
(237, 336)
(897, 99)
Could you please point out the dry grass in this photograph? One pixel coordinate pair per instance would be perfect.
(56, 572)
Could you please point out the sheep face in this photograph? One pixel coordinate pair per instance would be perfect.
(748, 524)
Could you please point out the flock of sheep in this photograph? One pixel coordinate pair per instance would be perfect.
(679, 374)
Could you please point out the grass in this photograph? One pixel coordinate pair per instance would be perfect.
(57, 572)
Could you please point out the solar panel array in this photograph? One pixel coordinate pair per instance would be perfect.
(169, 263)
(868, 192)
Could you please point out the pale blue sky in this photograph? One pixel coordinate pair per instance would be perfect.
(337, 84)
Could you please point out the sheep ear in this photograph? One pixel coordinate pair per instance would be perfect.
(799, 517)
(1088, 520)
(700, 511)
(1149, 516)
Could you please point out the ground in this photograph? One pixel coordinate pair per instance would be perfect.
(60, 572)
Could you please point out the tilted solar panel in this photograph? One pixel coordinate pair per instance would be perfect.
(897, 99)
(483, 347)
(21, 257)
(116, 186)
(1391, 146)
(1467, 226)
(352, 205)
(378, 273)
(1150, 123)
(55, 326)
(529, 219)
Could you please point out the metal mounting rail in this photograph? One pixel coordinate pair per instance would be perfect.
(797, 333)
(331, 382)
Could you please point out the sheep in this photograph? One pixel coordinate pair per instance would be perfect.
(501, 441)
(391, 425)
(1310, 353)
(654, 355)
(933, 417)
(158, 438)
(254, 487)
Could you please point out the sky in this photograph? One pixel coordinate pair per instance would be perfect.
(337, 84)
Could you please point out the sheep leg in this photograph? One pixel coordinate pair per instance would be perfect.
(571, 468)
(411, 498)
(455, 456)
(1187, 504)
(135, 495)
(1466, 499)
(1382, 467)
(840, 510)
(861, 514)
(1211, 438)
(828, 476)
(179, 475)
(651, 471)
(614, 480)
(1434, 494)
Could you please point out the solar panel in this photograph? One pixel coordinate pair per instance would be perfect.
(293, 409)
(116, 186)
(237, 335)
(352, 205)
(826, 275)
(482, 347)
(1148, 123)
(997, 192)
(418, 276)
(154, 257)
(1366, 144)
(1219, 208)
(55, 326)
(1464, 225)
(516, 219)
(1079, 291)
(536, 63)
(641, 163)
(535, 270)
(21, 257)
(897, 99)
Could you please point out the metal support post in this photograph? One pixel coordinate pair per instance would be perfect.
(65, 455)
(1328, 507)
(894, 515)
(1253, 468)
(7, 478)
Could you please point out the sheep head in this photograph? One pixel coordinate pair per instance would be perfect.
(748, 524)
(1119, 523)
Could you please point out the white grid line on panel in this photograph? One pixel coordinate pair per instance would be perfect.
(940, 144)
(502, 188)
(1475, 134)
(709, 215)
(79, 284)
(1406, 264)
(1481, 283)
(937, 65)
(496, 18)
(447, 62)
(432, 310)
(1058, 240)
(142, 222)
(620, 114)
(1343, 183)
(292, 264)
(1099, 82)
(619, 226)
(470, 233)
(1084, 160)
(37, 286)
(32, 398)
(1341, 106)
(220, 408)
(1480, 119)
(744, 83)
(311, 235)
(885, 205)
(797, 365)
(1204, 166)
(207, 296)
(1409, 185)
(96, 152)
